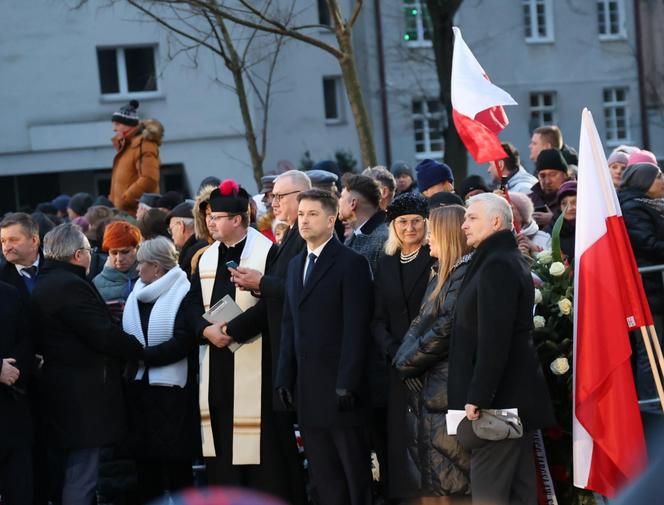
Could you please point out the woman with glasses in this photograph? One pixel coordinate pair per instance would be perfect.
(163, 402)
(119, 275)
(400, 281)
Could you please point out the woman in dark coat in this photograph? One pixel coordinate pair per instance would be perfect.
(163, 395)
(421, 360)
(400, 281)
(640, 197)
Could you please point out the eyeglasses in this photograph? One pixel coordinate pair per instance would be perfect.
(88, 249)
(276, 197)
(405, 223)
(218, 217)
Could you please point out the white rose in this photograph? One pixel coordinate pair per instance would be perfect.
(557, 269)
(539, 322)
(538, 296)
(545, 257)
(559, 366)
(565, 306)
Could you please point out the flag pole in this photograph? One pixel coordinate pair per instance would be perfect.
(658, 348)
(653, 365)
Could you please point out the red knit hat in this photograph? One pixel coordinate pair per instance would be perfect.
(120, 234)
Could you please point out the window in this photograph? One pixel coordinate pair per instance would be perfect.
(418, 23)
(542, 109)
(616, 120)
(538, 20)
(324, 13)
(333, 99)
(428, 128)
(127, 71)
(610, 19)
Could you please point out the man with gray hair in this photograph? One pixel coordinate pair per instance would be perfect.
(81, 391)
(386, 183)
(493, 364)
(180, 222)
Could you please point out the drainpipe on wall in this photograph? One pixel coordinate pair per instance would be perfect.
(645, 130)
(383, 84)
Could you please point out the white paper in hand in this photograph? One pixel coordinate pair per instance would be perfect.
(224, 311)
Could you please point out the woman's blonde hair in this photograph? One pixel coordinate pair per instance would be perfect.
(445, 224)
(393, 244)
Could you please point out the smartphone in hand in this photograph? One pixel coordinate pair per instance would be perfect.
(232, 264)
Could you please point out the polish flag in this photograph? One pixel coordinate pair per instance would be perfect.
(609, 448)
(477, 105)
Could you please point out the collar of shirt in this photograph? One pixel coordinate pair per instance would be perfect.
(230, 246)
(358, 230)
(19, 268)
(318, 249)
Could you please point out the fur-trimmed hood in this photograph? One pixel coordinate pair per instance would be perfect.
(200, 227)
(153, 130)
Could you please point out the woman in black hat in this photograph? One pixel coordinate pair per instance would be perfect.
(400, 281)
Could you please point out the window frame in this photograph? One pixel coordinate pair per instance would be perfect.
(622, 30)
(534, 37)
(339, 97)
(123, 83)
(541, 109)
(609, 108)
(425, 116)
(419, 24)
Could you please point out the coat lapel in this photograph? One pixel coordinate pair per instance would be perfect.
(323, 264)
(423, 265)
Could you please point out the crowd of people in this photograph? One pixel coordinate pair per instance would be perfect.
(367, 307)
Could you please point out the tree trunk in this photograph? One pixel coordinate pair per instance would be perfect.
(240, 89)
(442, 18)
(355, 97)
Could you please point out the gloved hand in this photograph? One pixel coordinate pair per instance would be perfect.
(286, 398)
(345, 400)
(413, 384)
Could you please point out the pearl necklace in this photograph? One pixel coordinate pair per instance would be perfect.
(407, 258)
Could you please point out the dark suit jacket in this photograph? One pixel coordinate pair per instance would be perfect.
(10, 275)
(325, 335)
(15, 421)
(266, 314)
(84, 353)
(493, 363)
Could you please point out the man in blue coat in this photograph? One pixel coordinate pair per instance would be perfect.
(322, 362)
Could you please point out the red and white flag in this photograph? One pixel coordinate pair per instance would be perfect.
(477, 105)
(609, 448)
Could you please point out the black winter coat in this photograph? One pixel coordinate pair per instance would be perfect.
(644, 220)
(81, 385)
(493, 363)
(165, 420)
(443, 463)
(15, 342)
(398, 295)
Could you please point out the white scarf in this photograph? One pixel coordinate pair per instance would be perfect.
(168, 291)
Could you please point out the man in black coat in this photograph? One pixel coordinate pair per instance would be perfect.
(16, 360)
(180, 222)
(19, 234)
(493, 364)
(267, 314)
(80, 384)
(322, 363)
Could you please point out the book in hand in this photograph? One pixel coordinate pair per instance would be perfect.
(224, 311)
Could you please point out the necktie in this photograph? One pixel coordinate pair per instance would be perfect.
(29, 275)
(310, 267)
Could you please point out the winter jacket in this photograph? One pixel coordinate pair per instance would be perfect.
(644, 220)
(443, 464)
(135, 167)
(115, 285)
(521, 181)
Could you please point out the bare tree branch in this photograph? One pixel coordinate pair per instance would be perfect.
(355, 14)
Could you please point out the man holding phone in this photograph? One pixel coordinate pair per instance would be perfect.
(551, 172)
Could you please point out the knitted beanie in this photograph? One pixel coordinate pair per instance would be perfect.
(127, 115)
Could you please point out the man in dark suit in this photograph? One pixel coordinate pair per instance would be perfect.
(16, 483)
(19, 234)
(493, 364)
(81, 390)
(325, 337)
(267, 313)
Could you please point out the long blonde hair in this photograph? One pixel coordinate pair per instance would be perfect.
(445, 225)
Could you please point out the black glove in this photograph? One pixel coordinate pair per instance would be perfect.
(345, 400)
(286, 398)
(413, 384)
